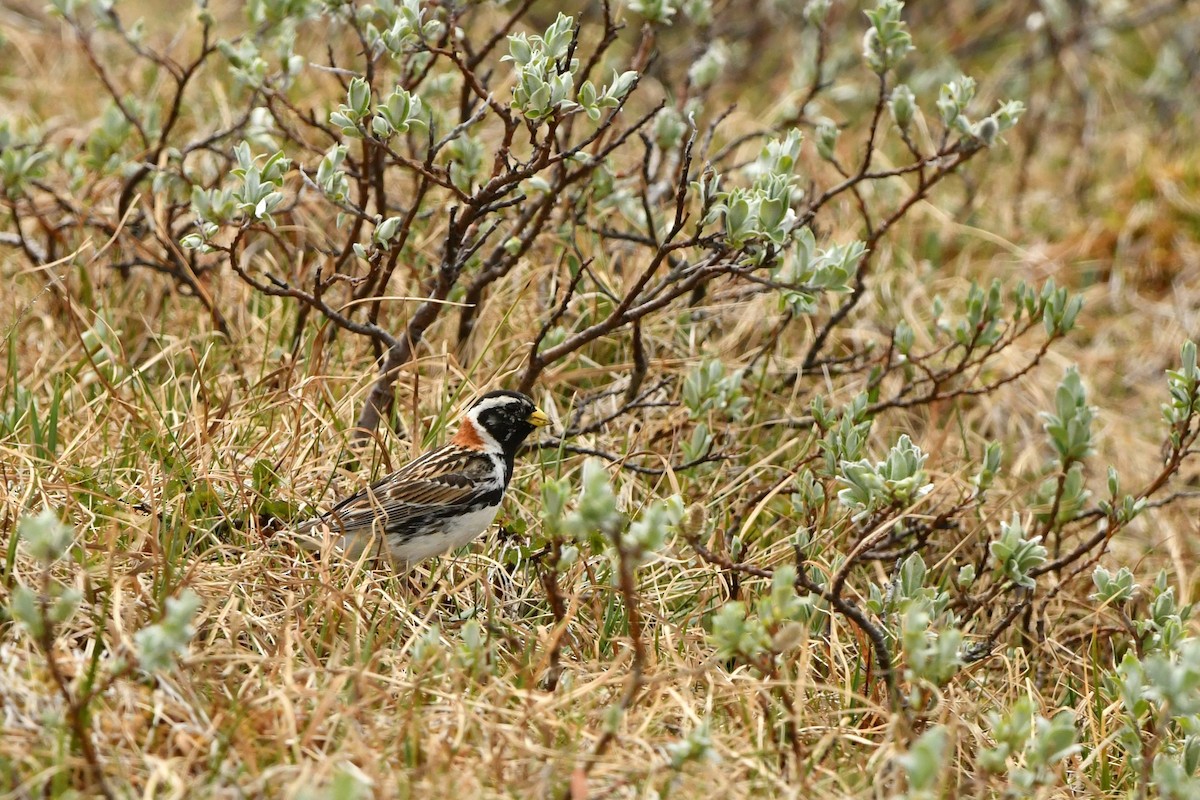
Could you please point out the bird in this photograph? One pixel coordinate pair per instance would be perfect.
(440, 501)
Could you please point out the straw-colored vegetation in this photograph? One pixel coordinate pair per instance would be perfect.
(814, 520)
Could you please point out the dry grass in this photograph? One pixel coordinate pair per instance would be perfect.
(301, 669)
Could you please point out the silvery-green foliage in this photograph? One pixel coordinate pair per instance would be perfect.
(257, 189)
(953, 100)
(261, 130)
(826, 137)
(930, 655)
(24, 608)
(158, 644)
(1173, 681)
(212, 208)
(910, 585)
(1128, 683)
(466, 154)
(472, 655)
(924, 764)
(542, 88)
(1121, 508)
(19, 164)
(909, 590)
(555, 497)
(591, 101)
(700, 12)
(659, 12)
(400, 112)
(899, 480)
(568, 555)
(1071, 500)
(809, 271)
(535, 185)
(1010, 731)
(734, 633)
(741, 216)
(695, 746)
(646, 535)
(708, 67)
(596, 516)
(351, 115)
(780, 620)
(816, 11)
(274, 12)
(1113, 589)
(809, 493)
(781, 604)
(251, 67)
(845, 432)
(983, 324)
(952, 103)
(987, 131)
(1056, 307)
(401, 27)
(775, 218)
(1054, 741)
(346, 784)
(1015, 555)
(697, 446)
(708, 194)
(246, 62)
(331, 178)
(1174, 772)
(989, 467)
(107, 140)
(45, 537)
(1070, 426)
(709, 388)
(38, 613)
(779, 156)
(290, 63)
(1029, 747)
(903, 338)
(902, 105)
(762, 213)
(887, 41)
(427, 651)
(1162, 629)
(1183, 385)
(386, 230)
(669, 128)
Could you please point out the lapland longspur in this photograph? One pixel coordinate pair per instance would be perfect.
(443, 499)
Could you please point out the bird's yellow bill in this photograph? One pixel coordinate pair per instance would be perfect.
(538, 418)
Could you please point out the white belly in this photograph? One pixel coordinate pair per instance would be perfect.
(465, 530)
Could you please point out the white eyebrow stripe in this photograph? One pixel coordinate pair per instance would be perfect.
(495, 402)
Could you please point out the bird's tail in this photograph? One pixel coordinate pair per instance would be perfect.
(314, 535)
(322, 534)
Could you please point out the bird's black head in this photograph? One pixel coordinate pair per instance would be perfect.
(507, 417)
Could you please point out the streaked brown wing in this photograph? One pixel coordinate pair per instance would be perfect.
(443, 478)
